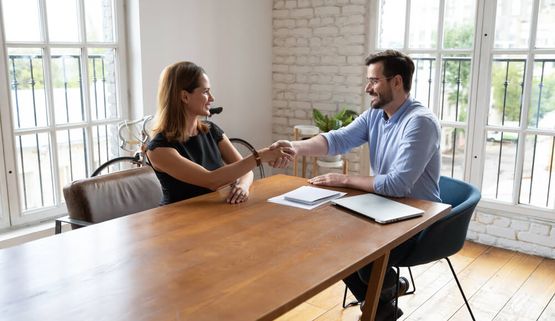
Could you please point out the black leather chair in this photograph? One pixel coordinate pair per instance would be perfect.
(101, 198)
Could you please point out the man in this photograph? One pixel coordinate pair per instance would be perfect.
(404, 141)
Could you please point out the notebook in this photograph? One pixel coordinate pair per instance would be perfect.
(378, 208)
(310, 195)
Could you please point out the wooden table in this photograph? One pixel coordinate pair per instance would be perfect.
(200, 259)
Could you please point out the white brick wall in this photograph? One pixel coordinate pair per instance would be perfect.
(319, 49)
(520, 234)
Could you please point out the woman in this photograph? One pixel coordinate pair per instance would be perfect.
(193, 157)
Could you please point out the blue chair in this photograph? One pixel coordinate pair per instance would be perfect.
(445, 237)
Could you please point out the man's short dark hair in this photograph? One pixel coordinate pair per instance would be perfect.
(394, 63)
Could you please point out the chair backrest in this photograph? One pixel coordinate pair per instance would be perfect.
(446, 237)
(113, 195)
(246, 149)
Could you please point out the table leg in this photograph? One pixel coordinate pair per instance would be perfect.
(374, 288)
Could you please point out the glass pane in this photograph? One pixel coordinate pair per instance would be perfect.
(538, 175)
(105, 144)
(458, 29)
(62, 20)
(72, 155)
(499, 166)
(27, 91)
(455, 88)
(34, 171)
(512, 23)
(102, 83)
(392, 24)
(452, 152)
(66, 83)
(542, 106)
(423, 80)
(21, 20)
(99, 17)
(546, 18)
(507, 85)
(424, 15)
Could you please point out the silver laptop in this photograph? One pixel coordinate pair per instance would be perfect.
(378, 208)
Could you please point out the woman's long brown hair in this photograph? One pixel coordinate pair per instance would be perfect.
(170, 117)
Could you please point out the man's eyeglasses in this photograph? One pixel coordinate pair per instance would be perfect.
(374, 80)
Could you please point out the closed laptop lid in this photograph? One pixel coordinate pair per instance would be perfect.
(378, 208)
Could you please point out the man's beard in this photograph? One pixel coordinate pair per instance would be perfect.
(381, 100)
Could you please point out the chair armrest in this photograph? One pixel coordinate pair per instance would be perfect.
(69, 220)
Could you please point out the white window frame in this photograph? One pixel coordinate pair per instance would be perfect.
(10, 190)
(487, 38)
(480, 83)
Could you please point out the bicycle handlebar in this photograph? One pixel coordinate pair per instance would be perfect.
(125, 125)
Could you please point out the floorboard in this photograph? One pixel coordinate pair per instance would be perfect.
(500, 284)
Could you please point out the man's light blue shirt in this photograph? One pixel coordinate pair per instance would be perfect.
(405, 156)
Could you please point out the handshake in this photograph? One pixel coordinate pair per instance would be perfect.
(278, 155)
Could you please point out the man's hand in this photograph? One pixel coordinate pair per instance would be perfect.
(288, 148)
(330, 179)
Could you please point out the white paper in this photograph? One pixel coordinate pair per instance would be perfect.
(310, 195)
(280, 199)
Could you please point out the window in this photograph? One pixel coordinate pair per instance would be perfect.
(520, 127)
(62, 63)
(442, 51)
(487, 69)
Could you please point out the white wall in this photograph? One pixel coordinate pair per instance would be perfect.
(318, 63)
(231, 40)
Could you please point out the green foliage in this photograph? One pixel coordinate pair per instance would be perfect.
(547, 103)
(458, 37)
(28, 73)
(329, 122)
(506, 86)
(457, 80)
(507, 89)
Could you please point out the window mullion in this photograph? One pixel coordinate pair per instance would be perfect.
(485, 35)
(86, 89)
(48, 88)
(87, 103)
(121, 64)
(43, 21)
(82, 24)
(438, 57)
(6, 141)
(527, 92)
(51, 123)
(437, 83)
(440, 20)
(407, 26)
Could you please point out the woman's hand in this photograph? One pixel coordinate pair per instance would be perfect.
(272, 155)
(289, 150)
(238, 193)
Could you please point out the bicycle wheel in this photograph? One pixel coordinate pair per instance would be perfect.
(245, 149)
(117, 164)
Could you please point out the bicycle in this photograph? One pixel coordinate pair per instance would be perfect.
(134, 137)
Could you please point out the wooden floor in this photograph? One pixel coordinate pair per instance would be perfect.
(500, 284)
